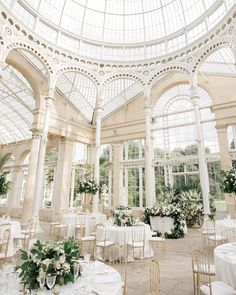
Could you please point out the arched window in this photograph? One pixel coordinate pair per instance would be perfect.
(175, 145)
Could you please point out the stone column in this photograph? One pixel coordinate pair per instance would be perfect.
(63, 177)
(39, 185)
(234, 134)
(97, 153)
(203, 170)
(31, 177)
(117, 174)
(13, 194)
(225, 160)
(148, 160)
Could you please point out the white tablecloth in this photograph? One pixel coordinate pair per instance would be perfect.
(15, 231)
(164, 224)
(122, 235)
(72, 219)
(225, 263)
(100, 278)
(222, 225)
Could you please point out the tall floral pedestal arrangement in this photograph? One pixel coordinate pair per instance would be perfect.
(229, 188)
(88, 187)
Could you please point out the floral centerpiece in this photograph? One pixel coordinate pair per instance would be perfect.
(170, 210)
(87, 186)
(229, 181)
(49, 258)
(123, 216)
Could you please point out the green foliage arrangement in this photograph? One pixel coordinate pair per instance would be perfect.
(228, 182)
(4, 183)
(49, 258)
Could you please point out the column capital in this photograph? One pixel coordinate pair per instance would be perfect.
(195, 100)
(221, 128)
(36, 133)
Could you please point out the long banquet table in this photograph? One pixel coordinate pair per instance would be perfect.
(225, 263)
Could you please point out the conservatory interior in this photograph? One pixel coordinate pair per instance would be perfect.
(117, 147)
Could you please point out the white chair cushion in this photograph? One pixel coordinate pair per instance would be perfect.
(218, 288)
(60, 226)
(136, 244)
(88, 238)
(104, 244)
(157, 239)
(202, 269)
(215, 238)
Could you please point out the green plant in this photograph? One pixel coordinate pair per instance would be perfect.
(49, 258)
(4, 183)
(169, 210)
(228, 182)
(88, 186)
(123, 216)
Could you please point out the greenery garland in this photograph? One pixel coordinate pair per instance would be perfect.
(168, 211)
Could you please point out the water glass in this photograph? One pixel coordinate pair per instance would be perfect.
(76, 267)
(51, 280)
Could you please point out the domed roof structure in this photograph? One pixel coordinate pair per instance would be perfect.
(120, 30)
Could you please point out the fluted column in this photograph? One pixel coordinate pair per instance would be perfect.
(225, 160)
(117, 174)
(31, 177)
(203, 170)
(38, 194)
(63, 177)
(149, 184)
(97, 153)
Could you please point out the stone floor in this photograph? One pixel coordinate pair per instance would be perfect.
(175, 268)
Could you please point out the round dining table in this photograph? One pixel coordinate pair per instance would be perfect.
(122, 235)
(72, 219)
(225, 263)
(98, 279)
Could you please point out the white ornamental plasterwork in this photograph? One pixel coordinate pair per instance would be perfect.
(56, 60)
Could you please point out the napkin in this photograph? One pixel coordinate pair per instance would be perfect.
(106, 278)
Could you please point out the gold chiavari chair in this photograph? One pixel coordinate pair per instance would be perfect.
(5, 232)
(200, 259)
(80, 226)
(158, 242)
(102, 243)
(154, 277)
(27, 234)
(137, 242)
(230, 234)
(206, 285)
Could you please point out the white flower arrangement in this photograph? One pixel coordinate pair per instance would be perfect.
(123, 216)
(49, 258)
(88, 186)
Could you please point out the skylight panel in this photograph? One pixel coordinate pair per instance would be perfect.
(44, 30)
(215, 16)
(93, 25)
(51, 9)
(196, 32)
(69, 43)
(23, 15)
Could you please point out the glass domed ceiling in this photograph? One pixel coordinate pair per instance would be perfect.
(120, 29)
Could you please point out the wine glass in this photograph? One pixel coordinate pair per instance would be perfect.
(76, 270)
(41, 281)
(51, 280)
